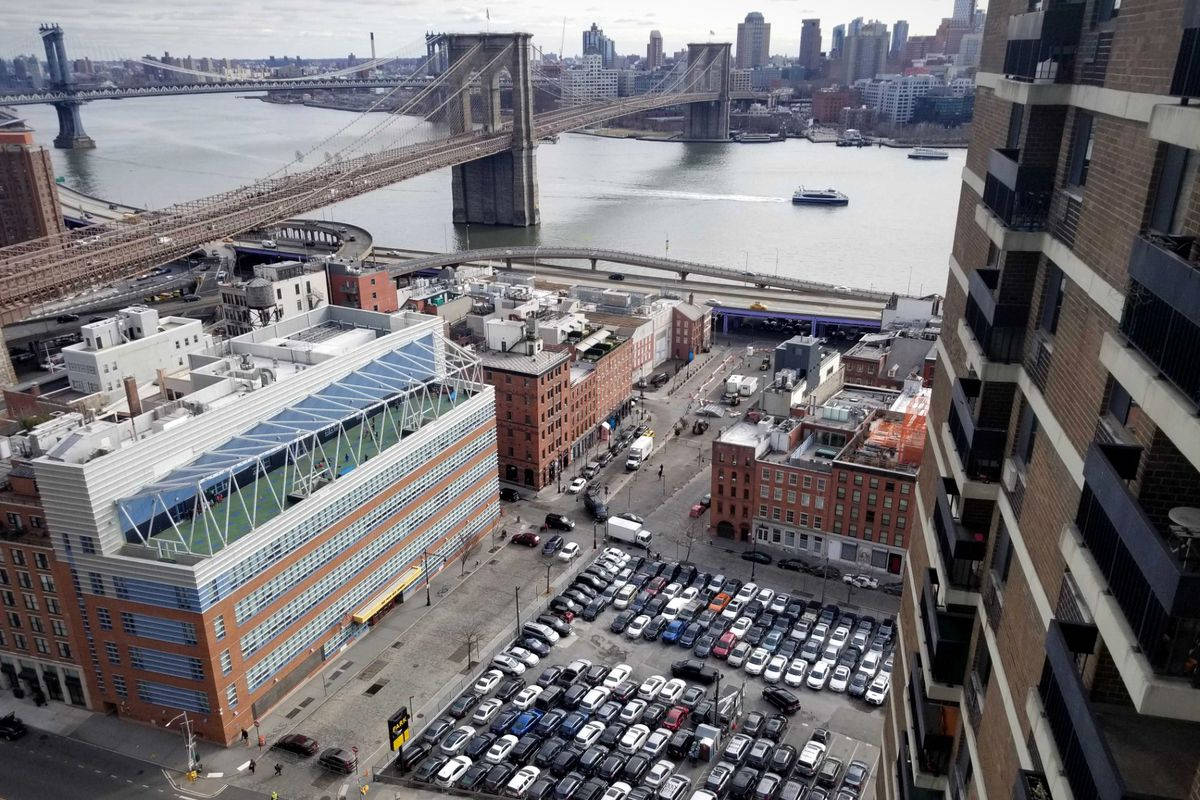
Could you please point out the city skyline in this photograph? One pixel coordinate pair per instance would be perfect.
(332, 32)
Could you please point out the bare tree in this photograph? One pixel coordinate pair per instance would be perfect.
(467, 552)
(471, 639)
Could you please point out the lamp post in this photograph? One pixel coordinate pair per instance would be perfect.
(594, 523)
(517, 592)
(425, 560)
(753, 556)
(547, 579)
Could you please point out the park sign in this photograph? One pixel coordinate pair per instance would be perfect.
(398, 732)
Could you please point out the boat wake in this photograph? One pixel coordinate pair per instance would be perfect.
(701, 196)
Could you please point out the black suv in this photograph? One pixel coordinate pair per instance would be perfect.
(559, 522)
(694, 670)
(782, 699)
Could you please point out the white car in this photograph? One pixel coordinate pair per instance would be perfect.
(671, 691)
(595, 698)
(486, 710)
(674, 608)
(633, 739)
(650, 687)
(861, 581)
(507, 664)
(449, 774)
(656, 742)
(634, 631)
(617, 553)
(617, 675)
(671, 590)
(618, 791)
(794, 676)
(779, 603)
(690, 593)
(576, 486)
(740, 626)
(830, 656)
(738, 655)
(589, 733)
(886, 669)
(526, 657)
(733, 610)
(839, 679)
(818, 676)
(658, 774)
(624, 597)
(839, 637)
(878, 690)
(765, 596)
(773, 672)
(747, 592)
(569, 551)
(757, 661)
(488, 681)
(527, 697)
(544, 632)
(632, 711)
(519, 784)
(870, 664)
(810, 759)
(500, 749)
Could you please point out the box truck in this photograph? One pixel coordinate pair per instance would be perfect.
(639, 451)
(628, 531)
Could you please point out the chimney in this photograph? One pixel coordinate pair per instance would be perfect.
(131, 396)
(162, 383)
(372, 45)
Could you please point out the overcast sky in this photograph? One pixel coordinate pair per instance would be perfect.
(333, 28)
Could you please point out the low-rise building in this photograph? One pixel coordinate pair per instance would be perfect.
(361, 286)
(691, 331)
(275, 293)
(889, 359)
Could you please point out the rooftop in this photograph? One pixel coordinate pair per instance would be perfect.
(535, 364)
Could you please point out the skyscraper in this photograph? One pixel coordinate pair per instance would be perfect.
(654, 51)
(596, 43)
(810, 44)
(899, 37)
(856, 26)
(753, 42)
(1048, 618)
(964, 11)
(29, 206)
(865, 53)
(837, 41)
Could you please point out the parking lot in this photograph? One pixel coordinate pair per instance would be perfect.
(854, 726)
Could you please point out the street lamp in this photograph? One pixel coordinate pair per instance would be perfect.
(594, 534)
(425, 560)
(517, 592)
(754, 557)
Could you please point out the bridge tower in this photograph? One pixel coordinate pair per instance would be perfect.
(709, 121)
(499, 189)
(71, 135)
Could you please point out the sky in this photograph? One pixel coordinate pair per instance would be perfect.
(334, 28)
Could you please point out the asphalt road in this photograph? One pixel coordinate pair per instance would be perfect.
(41, 766)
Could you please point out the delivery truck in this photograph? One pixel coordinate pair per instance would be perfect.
(625, 530)
(639, 451)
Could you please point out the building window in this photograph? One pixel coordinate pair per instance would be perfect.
(789, 516)
(764, 491)
(818, 523)
(226, 663)
(41, 646)
(31, 602)
(775, 515)
(64, 650)
(898, 541)
(114, 655)
(59, 627)
(762, 511)
(901, 522)
(35, 624)
(808, 481)
(219, 626)
(14, 620)
(119, 685)
(47, 583)
(791, 479)
(231, 696)
(19, 641)
(805, 499)
(39, 559)
(778, 494)
(97, 581)
(88, 544)
(779, 476)
(857, 497)
(858, 480)
(18, 557)
(804, 520)
(1052, 298)
(105, 619)
(791, 497)
(1080, 159)
(841, 493)
(52, 605)
(766, 474)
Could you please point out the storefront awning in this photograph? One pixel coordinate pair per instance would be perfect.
(380, 601)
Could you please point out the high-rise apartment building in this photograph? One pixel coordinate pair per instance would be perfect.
(899, 38)
(837, 41)
(29, 206)
(753, 42)
(596, 43)
(856, 26)
(810, 44)
(654, 51)
(252, 519)
(865, 52)
(1050, 620)
(964, 11)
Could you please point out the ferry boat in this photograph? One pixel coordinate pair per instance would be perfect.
(819, 197)
(928, 154)
(851, 138)
(756, 138)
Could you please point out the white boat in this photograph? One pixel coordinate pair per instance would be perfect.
(756, 138)
(851, 138)
(928, 154)
(819, 197)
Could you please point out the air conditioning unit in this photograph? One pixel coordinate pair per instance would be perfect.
(1009, 476)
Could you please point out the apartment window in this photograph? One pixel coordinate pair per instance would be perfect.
(10, 599)
(226, 663)
(858, 480)
(764, 491)
(887, 502)
(805, 499)
(114, 655)
(278, 296)
(808, 481)
(902, 505)
(35, 624)
(1175, 183)
(1016, 118)
(1080, 158)
(791, 497)
(766, 474)
(1107, 9)
(88, 544)
(857, 496)
(839, 510)
(775, 515)
(874, 483)
(1002, 555)
(818, 523)
(97, 582)
(870, 516)
(39, 559)
(25, 580)
(1027, 429)
(841, 493)
(1052, 298)
(18, 557)
(105, 619)
(898, 539)
(219, 626)
(231, 696)
(31, 602)
(791, 479)
(778, 495)
(789, 516)
(3, 577)
(119, 685)
(762, 511)
(904, 489)
(47, 583)
(901, 522)
(52, 605)
(19, 641)
(1119, 403)
(59, 627)
(820, 484)
(41, 646)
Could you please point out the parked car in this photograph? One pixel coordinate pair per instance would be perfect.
(569, 551)
(12, 728)
(576, 486)
(527, 538)
(509, 495)
(559, 522)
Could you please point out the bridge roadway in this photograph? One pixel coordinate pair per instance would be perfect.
(43, 269)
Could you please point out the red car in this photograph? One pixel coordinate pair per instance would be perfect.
(696, 511)
(528, 538)
(725, 645)
(656, 586)
(675, 718)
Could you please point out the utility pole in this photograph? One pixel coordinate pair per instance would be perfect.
(425, 560)
(547, 579)
(517, 591)
(188, 739)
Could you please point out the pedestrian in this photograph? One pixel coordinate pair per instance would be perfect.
(278, 770)
(246, 737)
(252, 766)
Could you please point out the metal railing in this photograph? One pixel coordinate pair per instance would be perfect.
(993, 600)
(1065, 209)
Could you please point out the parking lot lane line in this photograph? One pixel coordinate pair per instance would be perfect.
(345, 787)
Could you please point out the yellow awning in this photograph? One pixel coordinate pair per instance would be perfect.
(386, 596)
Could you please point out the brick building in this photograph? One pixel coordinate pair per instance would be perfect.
(533, 404)
(691, 332)
(833, 484)
(827, 104)
(29, 207)
(887, 360)
(40, 640)
(362, 287)
(1049, 622)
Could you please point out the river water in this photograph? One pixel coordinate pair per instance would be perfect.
(721, 204)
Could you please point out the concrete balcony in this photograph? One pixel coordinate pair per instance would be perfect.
(1031, 785)
(1041, 44)
(980, 449)
(961, 550)
(1161, 317)
(1105, 752)
(1152, 575)
(998, 328)
(1018, 195)
(934, 725)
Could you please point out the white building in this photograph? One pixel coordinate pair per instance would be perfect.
(135, 343)
(968, 50)
(275, 293)
(895, 96)
(589, 82)
(739, 80)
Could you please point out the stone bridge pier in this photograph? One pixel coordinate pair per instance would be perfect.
(499, 189)
(708, 71)
(71, 135)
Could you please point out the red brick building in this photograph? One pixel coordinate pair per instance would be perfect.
(887, 360)
(534, 402)
(827, 104)
(691, 329)
(372, 290)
